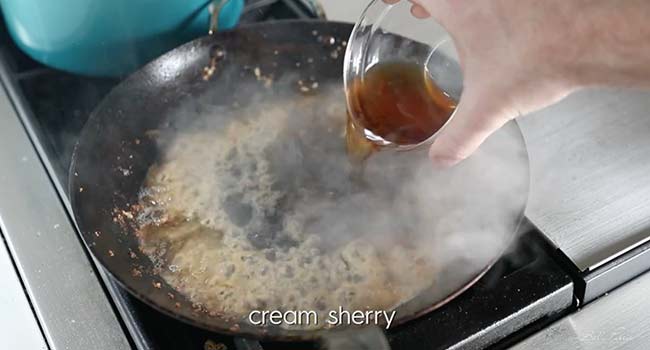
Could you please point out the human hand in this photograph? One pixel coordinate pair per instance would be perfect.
(513, 60)
(512, 65)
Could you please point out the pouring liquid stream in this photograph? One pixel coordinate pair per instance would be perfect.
(394, 104)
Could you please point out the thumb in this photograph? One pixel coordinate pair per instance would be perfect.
(480, 112)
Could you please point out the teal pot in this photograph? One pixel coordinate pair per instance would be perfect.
(108, 37)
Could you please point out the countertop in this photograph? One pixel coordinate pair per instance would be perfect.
(617, 321)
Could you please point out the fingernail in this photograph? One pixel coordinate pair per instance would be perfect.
(443, 161)
(419, 12)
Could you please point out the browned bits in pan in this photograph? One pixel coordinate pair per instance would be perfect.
(266, 79)
(171, 296)
(208, 71)
(217, 53)
(307, 87)
(157, 285)
(136, 272)
(198, 307)
(154, 133)
(211, 345)
(110, 253)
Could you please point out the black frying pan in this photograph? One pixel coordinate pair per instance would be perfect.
(142, 103)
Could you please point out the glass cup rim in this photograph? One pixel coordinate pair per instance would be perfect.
(348, 69)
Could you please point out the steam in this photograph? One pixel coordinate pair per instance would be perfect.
(458, 219)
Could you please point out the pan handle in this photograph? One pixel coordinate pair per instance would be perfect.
(366, 338)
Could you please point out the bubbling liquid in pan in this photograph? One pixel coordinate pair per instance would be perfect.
(267, 213)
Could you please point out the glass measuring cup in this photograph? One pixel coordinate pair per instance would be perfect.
(388, 50)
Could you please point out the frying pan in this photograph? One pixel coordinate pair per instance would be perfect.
(115, 139)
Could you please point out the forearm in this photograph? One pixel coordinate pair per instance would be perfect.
(612, 43)
(519, 56)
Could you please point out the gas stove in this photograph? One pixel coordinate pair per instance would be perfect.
(77, 305)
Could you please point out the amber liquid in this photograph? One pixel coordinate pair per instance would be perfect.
(399, 103)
